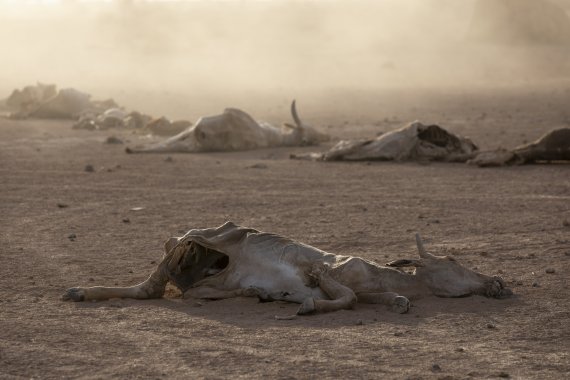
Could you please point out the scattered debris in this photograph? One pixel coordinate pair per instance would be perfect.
(72, 237)
(89, 168)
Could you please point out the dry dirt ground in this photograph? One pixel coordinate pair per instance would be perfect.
(509, 221)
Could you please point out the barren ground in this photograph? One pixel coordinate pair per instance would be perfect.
(512, 221)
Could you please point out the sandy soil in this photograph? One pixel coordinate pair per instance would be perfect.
(508, 221)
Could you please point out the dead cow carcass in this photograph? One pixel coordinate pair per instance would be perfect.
(414, 142)
(44, 101)
(235, 130)
(232, 261)
(553, 146)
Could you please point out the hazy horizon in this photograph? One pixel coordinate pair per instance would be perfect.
(233, 48)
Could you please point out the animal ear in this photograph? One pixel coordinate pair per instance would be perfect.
(405, 263)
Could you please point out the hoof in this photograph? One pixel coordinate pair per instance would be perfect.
(74, 294)
(401, 305)
(505, 293)
(307, 307)
(496, 289)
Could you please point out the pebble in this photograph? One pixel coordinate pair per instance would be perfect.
(168, 159)
(491, 326)
(62, 205)
(359, 322)
(89, 168)
(566, 223)
(258, 166)
(460, 349)
(550, 270)
(398, 333)
(72, 237)
(535, 284)
(113, 140)
(436, 368)
(126, 220)
(504, 375)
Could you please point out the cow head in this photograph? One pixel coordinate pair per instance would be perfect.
(305, 134)
(446, 277)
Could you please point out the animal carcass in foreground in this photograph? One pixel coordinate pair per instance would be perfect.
(236, 130)
(553, 146)
(232, 261)
(413, 142)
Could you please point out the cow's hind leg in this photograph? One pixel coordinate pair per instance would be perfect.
(398, 304)
(341, 297)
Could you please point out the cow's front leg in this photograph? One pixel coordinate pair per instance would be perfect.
(341, 297)
(398, 304)
(152, 287)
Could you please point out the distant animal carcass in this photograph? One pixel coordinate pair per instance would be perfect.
(234, 130)
(553, 146)
(413, 142)
(44, 101)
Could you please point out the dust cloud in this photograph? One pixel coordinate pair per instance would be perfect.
(227, 50)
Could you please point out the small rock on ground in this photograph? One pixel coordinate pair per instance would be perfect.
(257, 166)
(113, 140)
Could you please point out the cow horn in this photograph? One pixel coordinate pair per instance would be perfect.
(421, 249)
(295, 115)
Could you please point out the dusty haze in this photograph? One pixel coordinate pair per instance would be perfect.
(152, 55)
